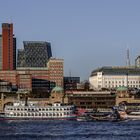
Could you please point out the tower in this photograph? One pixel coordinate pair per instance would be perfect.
(8, 47)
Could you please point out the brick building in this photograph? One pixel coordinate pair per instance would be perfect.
(8, 50)
(38, 80)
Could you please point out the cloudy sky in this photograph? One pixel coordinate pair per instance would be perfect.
(87, 34)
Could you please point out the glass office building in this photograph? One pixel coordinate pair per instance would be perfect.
(34, 54)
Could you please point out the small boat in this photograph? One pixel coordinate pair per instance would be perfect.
(102, 116)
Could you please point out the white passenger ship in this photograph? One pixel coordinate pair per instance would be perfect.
(32, 111)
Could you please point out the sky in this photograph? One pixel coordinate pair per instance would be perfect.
(87, 34)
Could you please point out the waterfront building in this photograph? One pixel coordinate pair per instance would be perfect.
(125, 96)
(40, 80)
(92, 99)
(137, 61)
(8, 50)
(34, 54)
(24, 81)
(112, 77)
(70, 83)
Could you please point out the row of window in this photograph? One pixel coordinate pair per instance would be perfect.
(134, 86)
(38, 114)
(40, 109)
(122, 82)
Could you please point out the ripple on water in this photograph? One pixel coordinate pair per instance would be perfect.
(70, 130)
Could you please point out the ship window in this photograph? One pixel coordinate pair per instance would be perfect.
(57, 109)
(18, 109)
(11, 108)
(35, 114)
(25, 109)
(50, 114)
(50, 109)
(39, 109)
(18, 114)
(28, 114)
(46, 114)
(53, 114)
(25, 114)
(46, 109)
(67, 113)
(61, 109)
(57, 114)
(32, 109)
(43, 109)
(64, 113)
(28, 109)
(32, 114)
(21, 114)
(39, 114)
(53, 109)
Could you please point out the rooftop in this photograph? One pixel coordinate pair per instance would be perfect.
(117, 70)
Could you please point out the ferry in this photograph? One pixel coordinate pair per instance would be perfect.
(33, 111)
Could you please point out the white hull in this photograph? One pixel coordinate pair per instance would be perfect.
(133, 117)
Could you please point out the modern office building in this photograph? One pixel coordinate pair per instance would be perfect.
(34, 54)
(8, 47)
(112, 77)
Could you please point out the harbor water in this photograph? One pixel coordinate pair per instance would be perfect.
(69, 130)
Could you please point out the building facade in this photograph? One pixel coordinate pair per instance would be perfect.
(55, 67)
(70, 83)
(38, 80)
(8, 47)
(34, 54)
(137, 62)
(112, 77)
(91, 100)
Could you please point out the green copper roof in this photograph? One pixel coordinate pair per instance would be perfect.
(58, 89)
(122, 88)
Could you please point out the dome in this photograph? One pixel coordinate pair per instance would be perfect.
(58, 89)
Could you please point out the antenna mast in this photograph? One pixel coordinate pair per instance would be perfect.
(127, 58)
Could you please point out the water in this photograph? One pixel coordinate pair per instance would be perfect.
(69, 130)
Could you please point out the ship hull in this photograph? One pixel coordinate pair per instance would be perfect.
(37, 118)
